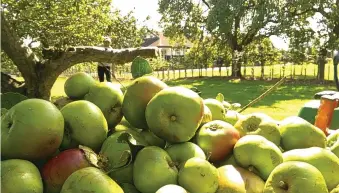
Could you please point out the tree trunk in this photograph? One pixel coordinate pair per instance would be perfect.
(321, 64)
(40, 87)
(236, 66)
(262, 64)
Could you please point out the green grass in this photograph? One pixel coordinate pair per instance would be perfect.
(285, 101)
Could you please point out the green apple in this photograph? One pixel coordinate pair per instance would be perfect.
(257, 154)
(295, 176)
(85, 124)
(297, 133)
(335, 190)
(90, 179)
(198, 175)
(152, 139)
(171, 188)
(20, 176)
(129, 188)
(207, 115)
(78, 85)
(217, 139)
(181, 152)
(153, 168)
(136, 98)
(116, 154)
(167, 117)
(32, 129)
(232, 117)
(122, 175)
(333, 142)
(108, 97)
(324, 160)
(259, 124)
(253, 183)
(238, 180)
(216, 107)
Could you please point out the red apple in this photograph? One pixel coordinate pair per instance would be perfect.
(58, 169)
(217, 139)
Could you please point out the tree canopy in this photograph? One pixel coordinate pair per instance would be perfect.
(240, 23)
(67, 31)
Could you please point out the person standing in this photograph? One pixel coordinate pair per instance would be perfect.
(104, 68)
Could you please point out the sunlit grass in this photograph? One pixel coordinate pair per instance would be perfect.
(283, 102)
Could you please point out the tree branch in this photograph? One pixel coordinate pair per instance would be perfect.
(81, 54)
(22, 56)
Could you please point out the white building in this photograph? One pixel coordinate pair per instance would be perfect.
(168, 50)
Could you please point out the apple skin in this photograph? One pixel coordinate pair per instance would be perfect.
(323, 159)
(108, 97)
(259, 124)
(32, 130)
(217, 109)
(85, 124)
(170, 188)
(19, 175)
(217, 139)
(55, 172)
(152, 169)
(198, 175)
(258, 154)
(333, 142)
(90, 179)
(181, 152)
(238, 180)
(295, 176)
(78, 85)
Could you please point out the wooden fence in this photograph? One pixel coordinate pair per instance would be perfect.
(305, 72)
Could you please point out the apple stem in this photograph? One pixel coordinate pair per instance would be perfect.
(283, 185)
(173, 118)
(251, 168)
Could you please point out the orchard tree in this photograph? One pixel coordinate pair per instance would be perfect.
(326, 33)
(60, 27)
(238, 23)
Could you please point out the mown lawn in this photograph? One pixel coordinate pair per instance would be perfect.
(283, 102)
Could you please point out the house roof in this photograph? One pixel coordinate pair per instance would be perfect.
(161, 41)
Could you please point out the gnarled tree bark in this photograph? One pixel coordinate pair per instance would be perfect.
(41, 73)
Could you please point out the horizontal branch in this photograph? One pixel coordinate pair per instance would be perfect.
(81, 54)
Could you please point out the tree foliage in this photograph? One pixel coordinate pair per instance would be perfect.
(61, 27)
(235, 23)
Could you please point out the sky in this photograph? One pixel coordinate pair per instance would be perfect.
(144, 8)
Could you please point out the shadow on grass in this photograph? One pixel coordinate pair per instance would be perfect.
(245, 91)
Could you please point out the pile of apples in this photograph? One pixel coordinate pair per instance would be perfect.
(155, 138)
